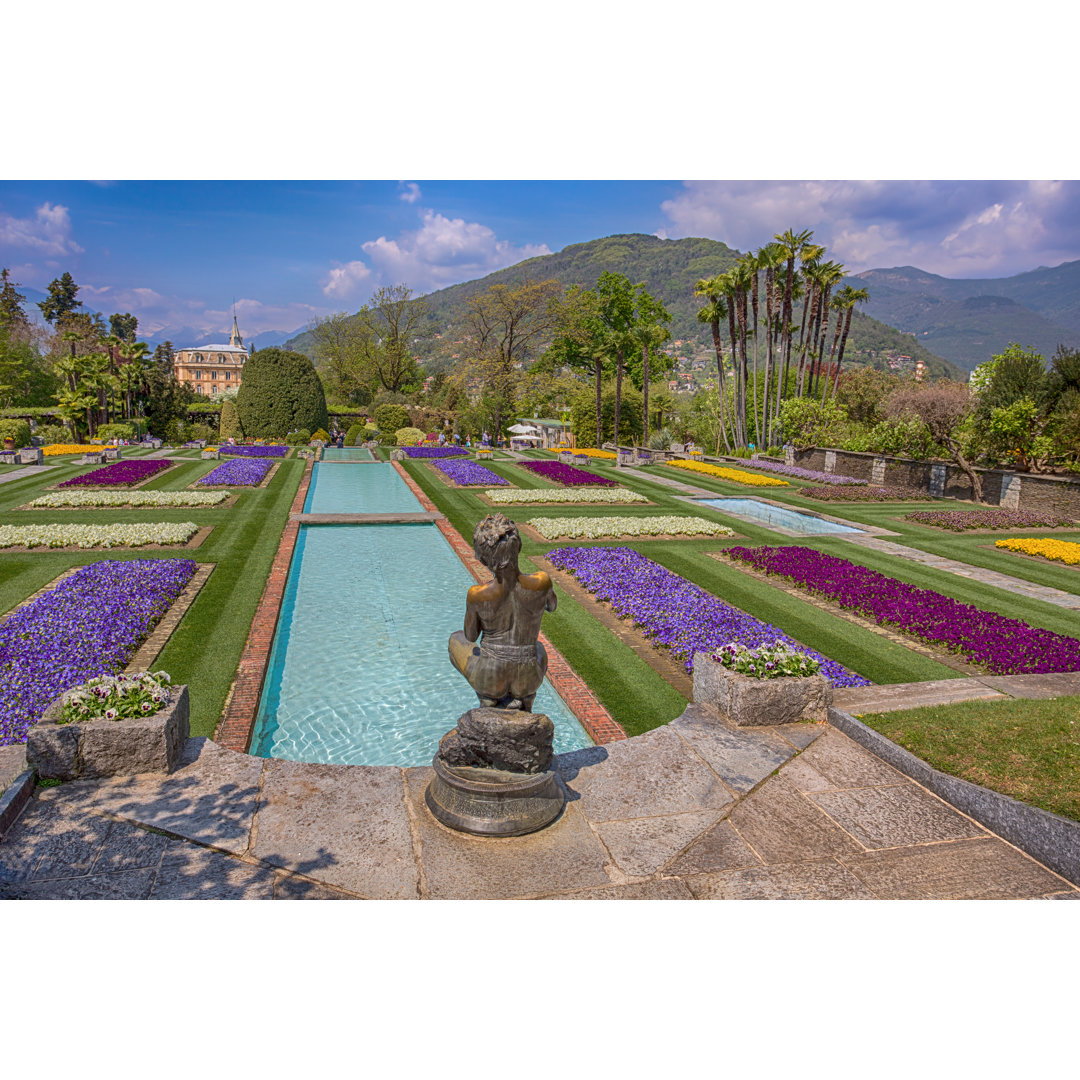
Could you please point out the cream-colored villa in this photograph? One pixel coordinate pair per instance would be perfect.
(211, 369)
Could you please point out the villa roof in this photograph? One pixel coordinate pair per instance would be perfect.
(213, 348)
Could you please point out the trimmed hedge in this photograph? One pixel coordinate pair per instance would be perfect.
(352, 434)
(230, 427)
(408, 436)
(280, 392)
(392, 417)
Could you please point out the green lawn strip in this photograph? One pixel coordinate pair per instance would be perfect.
(1029, 750)
(205, 649)
(857, 648)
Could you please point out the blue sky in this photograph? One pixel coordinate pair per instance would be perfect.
(177, 254)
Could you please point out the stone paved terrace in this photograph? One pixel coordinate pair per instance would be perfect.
(694, 810)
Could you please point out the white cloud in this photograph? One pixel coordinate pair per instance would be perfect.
(47, 232)
(410, 192)
(956, 228)
(443, 251)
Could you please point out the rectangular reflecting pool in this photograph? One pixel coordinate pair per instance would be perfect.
(767, 514)
(362, 489)
(359, 673)
(347, 453)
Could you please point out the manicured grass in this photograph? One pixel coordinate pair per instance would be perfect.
(205, 649)
(1029, 750)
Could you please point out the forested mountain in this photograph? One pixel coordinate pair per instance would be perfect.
(968, 320)
(669, 269)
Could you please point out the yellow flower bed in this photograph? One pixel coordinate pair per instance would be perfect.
(1059, 550)
(56, 449)
(736, 476)
(589, 451)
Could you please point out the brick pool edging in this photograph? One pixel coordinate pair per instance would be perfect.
(237, 725)
(594, 718)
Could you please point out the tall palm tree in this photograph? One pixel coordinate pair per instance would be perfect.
(743, 277)
(769, 258)
(650, 331)
(849, 297)
(794, 247)
(714, 310)
(828, 274)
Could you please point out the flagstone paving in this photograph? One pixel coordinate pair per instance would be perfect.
(694, 810)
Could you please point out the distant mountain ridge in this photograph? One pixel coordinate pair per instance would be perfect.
(968, 320)
(669, 270)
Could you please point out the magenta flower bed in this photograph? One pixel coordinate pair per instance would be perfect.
(240, 473)
(875, 493)
(90, 624)
(255, 451)
(120, 473)
(469, 472)
(959, 520)
(804, 474)
(674, 612)
(1003, 646)
(435, 451)
(566, 475)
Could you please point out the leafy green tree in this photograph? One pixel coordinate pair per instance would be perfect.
(806, 422)
(1015, 373)
(392, 318)
(62, 299)
(279, 393)
(649, 332)
(578, 344)
(124, 326)
(582, 414)
(343, 347)
(12, 315)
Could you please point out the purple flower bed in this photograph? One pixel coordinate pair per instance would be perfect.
(566, 475)
(468, 472)
(959, 520)
(90, 624)
(435, 451)
(120, 473)
(1003, 646)
(255, 451)
(804, 474)
(863, 494)
(674, 612)
(238, 473)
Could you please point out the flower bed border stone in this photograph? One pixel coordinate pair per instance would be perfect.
(100, 748)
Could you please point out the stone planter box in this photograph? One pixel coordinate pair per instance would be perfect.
(150, 744)
(92, 459)
(749, 702)
(210, 455)
(644, 457)
(397, 455)
(7, 457)
(113, 455)
(566, 457)
(31, 455)
(625, 457)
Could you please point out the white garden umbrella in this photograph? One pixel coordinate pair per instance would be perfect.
(522, 429)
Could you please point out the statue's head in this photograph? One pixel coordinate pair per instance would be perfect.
(497, 542)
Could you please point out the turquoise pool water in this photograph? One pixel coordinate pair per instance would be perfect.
(365, 489)
(359, 673)
(347, 453)
(767, 514)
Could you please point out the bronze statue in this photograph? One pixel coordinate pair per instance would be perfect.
(508, 666)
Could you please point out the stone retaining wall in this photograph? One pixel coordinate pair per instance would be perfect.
(1016, 491)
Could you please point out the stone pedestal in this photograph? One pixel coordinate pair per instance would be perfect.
(493, 775)
(749, 702)
(109, 747)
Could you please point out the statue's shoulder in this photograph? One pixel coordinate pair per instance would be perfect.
(478, 593)
(540, 581)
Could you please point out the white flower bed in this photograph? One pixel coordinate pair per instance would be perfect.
(131, 498)
(92, 536)
(591, 528)
(504, 497)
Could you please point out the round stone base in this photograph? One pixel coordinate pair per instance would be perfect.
(491, 802)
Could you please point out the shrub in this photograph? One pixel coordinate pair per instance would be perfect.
(19, 430)
(392, 417)
(115, 431)
(408, 436)
(230, 426)
(280, 392)
(387, 438)
(298, 438)
(353, 434)
(319, 433)
(50, 434)
(199, 431)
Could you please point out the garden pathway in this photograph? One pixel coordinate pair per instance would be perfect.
(692, 810)
(976, 573)
(19, 474)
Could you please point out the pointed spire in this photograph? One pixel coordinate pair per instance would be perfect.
(235, 339)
